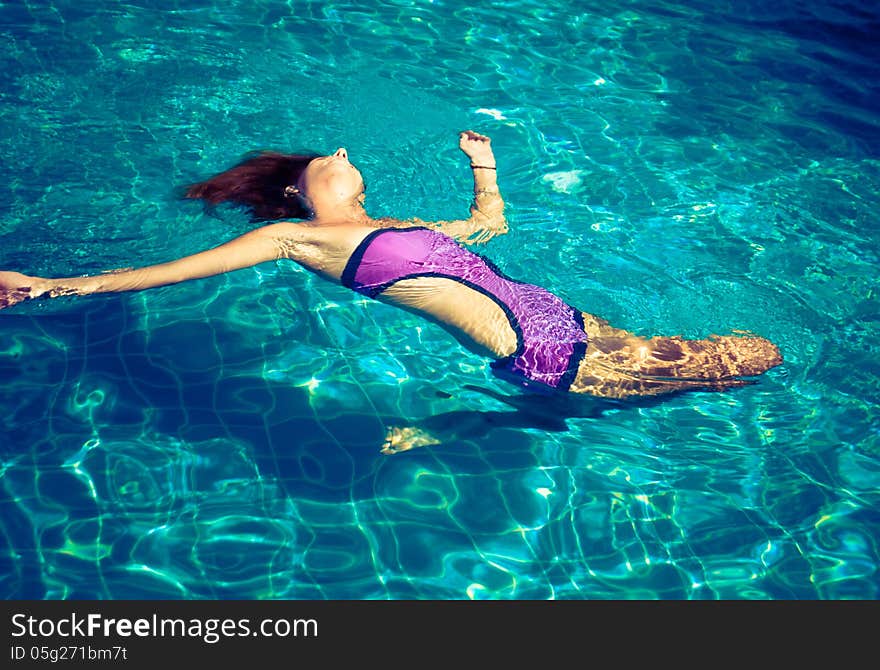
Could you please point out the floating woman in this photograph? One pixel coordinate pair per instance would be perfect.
(536, 340)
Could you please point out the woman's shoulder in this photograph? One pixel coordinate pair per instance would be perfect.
(390, 222)
(329, 234)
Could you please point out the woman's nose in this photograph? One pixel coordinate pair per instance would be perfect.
(341, 153)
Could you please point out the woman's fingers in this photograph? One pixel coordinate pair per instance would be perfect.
(471, 135)
(16, 287)
(475, 145)
(10, 297)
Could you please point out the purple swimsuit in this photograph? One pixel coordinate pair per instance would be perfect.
(550, 334)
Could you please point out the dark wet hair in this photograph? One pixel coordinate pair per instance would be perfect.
(258, 182)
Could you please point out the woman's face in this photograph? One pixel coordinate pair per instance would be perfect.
(332, 180)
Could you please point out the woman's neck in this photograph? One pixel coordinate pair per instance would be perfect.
(350, 214)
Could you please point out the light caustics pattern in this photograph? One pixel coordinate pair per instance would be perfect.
(675, 167)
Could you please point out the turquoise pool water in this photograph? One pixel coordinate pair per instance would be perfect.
(676, 167)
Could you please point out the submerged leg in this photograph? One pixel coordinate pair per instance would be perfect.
(464, 425)
(619, 364)
(531, 411)
(717, 357)
(404, 438)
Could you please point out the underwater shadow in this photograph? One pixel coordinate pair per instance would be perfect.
(530, 411)
(157, 386)
(195, 382)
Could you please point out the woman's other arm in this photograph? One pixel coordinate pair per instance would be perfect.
(268, 243)
(487, 210)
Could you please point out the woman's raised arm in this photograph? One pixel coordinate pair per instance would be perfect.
(271, 242)
(487, 210)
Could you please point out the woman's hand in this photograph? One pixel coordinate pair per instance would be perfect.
(477, 147)
(16, 287)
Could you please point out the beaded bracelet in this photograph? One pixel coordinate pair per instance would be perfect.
(485, 167)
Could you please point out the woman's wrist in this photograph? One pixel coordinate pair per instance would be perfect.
(55, 288)
(41, 288)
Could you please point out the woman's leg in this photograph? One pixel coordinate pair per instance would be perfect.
(619, 364)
